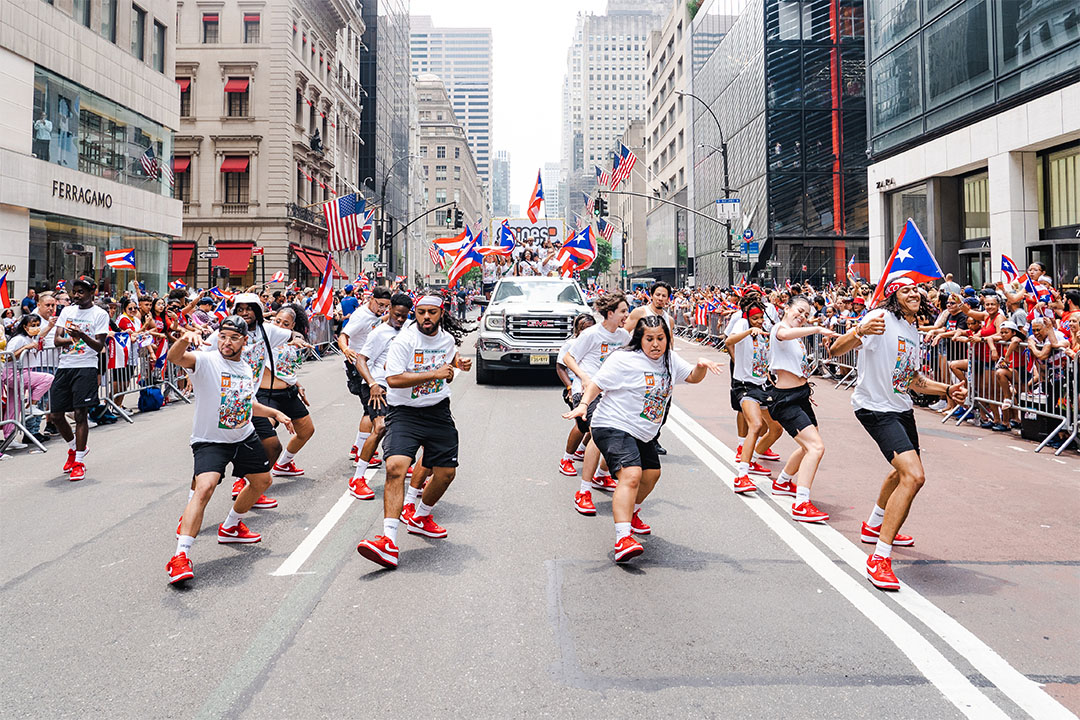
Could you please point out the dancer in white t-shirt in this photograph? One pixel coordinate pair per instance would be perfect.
(577, 440)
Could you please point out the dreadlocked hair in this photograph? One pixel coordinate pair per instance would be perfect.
(750, 300)
(452, 325)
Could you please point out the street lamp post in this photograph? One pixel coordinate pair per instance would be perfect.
(727, 185)
(384, 247)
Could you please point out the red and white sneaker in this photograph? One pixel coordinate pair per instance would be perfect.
(566, 467)
(579, 455)
(265, 503)
(583, 503)
(70, 461)
(407, 511)
(627, 549)
(638, 527)
(743, 484)
(354, 454)
(873, 534)
(237, 534)
(769, 454)
(238, 487)
(604, 482)
(408, 473)
(426, 526)
(289, 469)
(738, 453)
(381, 551)
(807, 512)
(359, 489)
(783, 488)
(759, 470)
(879, 570)
(78, 472)
(375, 461)
(179, 568)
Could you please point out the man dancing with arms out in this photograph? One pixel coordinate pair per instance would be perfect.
(420, 366)
(888, 365)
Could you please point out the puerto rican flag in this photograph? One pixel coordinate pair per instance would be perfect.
(221, 311)
(506, 243)
(177, 284)
(5, 299)
(581, 247)
(279, 276)
(1008, 269)
(324, 298)
(465, 261)
(701, 316)
(536, 198)
(119, 350)
(451, 246)
(851, 267)
(121, 259)
(911, 258)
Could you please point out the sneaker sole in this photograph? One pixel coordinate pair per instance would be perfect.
(641, 532)
(362, 497)
(882, 585)
(582, 511)
(413, 530)
(605, 488)
(785, 493)
(374, 555)
(278, 473)
(238, 541)
(760, 473)
(629, 554)
(181, 578)
(803, 518)
(264, 506)
(740, 491)
(872, 540)
(766, 458)
(563, 472)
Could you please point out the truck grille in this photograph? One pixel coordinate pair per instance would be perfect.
(534, 328)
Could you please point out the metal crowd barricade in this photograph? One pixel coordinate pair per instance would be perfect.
(321, 335)
(681, 322)
(145, 373)
(16, 401)
(714, 329)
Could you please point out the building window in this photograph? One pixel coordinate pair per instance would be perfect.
(185, 96)
(1064, 172)
(80, 11)
(251, 28)
(440, 195)
(423, 151)
(425, 172)
(976, 199)
(440, 172)
(236, 188)
(211, 29)
(457, 172)
(182, 190)
(138, 32)
(236, 92)
(299, 187)
(457, 153)
(457, 196)
(440, 151)
(158, 51)
(299, 119)
(108, 20)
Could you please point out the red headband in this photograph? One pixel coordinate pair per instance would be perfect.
(754, 311)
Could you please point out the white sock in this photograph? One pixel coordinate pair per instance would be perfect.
(233, 519)
(389, 528)
(581, 448)
(190, 494)
(412, 495)
(361, 468)
(802, 494)
(423, 510)
(883, 549)
(602, 473)
(876, 518)
(621, 530)
(785, 478)
(71, 444)
(568, 456)
(741, 468)
(184, 543)
(741, 441)
(360, 438)
(80, 455)
(586, 486)
(285, 458)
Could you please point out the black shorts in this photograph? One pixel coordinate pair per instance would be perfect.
(247, 457)
(792, 408)
(487, 287)
(74, 389)
(583, 423)
(894, 432)
(286, 400)
(621, 449)
(365, 400)
(761, 394)
(353, 379)
(410, 428)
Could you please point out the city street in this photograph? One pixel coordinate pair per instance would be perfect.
(734, 610)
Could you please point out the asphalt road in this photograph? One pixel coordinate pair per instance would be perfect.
(734, 610)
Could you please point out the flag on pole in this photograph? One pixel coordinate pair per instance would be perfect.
(603, 177)
(851, 267)
(436, 256)
(465, 261)
(149, 162)
(536, 198)
(451, 246)
(581, 247)
(910, 258)
(624, 163)
(400, 278)
(121, 259)
(367, 227)
(606, 228)
(221, 311)
(1008, 269)
(362, 281)
(279, 276)
(589, 203)
(341, 225)
(177, 284)
(5, 299)
(323, 304)
(506, 243)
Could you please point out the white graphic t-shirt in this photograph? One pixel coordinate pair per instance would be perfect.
(596, 344)
(888, 363)
(575, 381)
(637, 390)
(376, 349)
(287, 362)
(361, 322)
(256, 352)
(92, 321)
(224, 394)
(751, 356)
(412, 351)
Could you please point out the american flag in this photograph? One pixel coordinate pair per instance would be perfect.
(149, 162)
(324, 298)
(624, 163)
(341, 225)
(121, 259)
(589, 203)
(603, 177)
(436, 256)
(606, 229)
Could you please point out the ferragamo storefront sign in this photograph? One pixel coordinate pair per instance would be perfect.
(74, 193)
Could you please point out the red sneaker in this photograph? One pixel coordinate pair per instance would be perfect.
(265, 503)
(179, 568)
(407, 511)
(744, 484)
(566, 467)
(738, 453)
(583, 503)
(354, 454)
(287, 470)
(70, 461)
(879, 570)
(783, 488)
(769, 454)
(359, 489)
(806, 512)
(873, 534)
(238, 487)
(760, 470)
(627, 549)
(579, 455)
(604, 482)
(237, 534)
(425, 525)
(375, 461)
(78, 472)
(638, 527)
(408, 473)
(381, 550)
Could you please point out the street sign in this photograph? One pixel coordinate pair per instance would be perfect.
(751, 248)
(727, 208)
(380, 265)
(748, 234)
(256, 251)
(774, 263)
(731, 254)
(208, 254)
(371, 257)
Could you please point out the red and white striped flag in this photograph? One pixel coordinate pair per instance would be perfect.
(323, 304)
(342, 232)
(279, 276)
(436, 256)
(121, 259)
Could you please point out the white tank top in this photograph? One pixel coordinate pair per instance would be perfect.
(789, 355)
(649, 311)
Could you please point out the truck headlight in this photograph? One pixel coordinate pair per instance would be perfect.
(494, 322)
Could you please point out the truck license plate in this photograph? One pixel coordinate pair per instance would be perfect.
(539, 359)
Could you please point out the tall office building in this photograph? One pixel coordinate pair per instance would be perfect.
(553, 202)
(604, 87)
(500, 184)
(461, 57)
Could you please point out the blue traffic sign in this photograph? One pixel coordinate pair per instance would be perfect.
(748, 234)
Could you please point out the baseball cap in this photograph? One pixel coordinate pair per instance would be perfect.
(85, 281)
(205, 300)
(247, 299)
(235, 323)
(349, 288)
(1010, 325)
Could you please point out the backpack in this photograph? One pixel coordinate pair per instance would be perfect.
(150, 399)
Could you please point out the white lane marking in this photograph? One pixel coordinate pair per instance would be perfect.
(303, 551)
(956, 688)
(1017, 449)
(1026, 693)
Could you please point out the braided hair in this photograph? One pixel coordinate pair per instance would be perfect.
(639, 332)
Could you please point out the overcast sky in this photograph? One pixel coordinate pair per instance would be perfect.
(530, 43)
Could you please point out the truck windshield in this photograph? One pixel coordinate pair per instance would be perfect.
(538, 292)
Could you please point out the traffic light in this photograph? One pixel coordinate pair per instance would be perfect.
(601, 207)
(459, 219)
(449, 219)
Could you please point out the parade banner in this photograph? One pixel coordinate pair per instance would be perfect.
(543, 229)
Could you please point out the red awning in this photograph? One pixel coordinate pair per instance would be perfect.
(251, 18)
(180, 257)
(235, 256)
(338, 272)
(184, 83)
(181, 163)
(209, 17)
(239, 84)
(233, 163)
(309, 262)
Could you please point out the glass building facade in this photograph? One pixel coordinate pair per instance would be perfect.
(786, 80)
